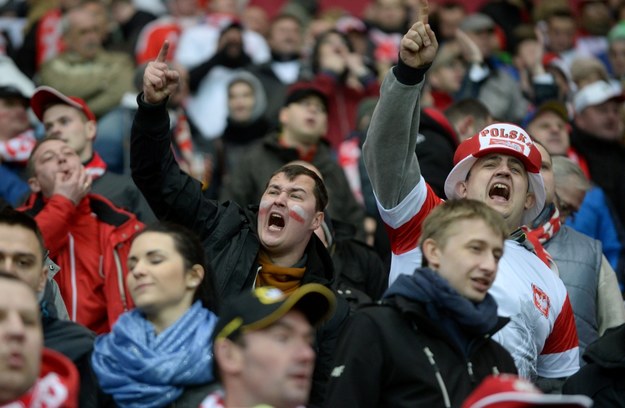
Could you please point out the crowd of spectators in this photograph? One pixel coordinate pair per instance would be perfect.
(218, 203)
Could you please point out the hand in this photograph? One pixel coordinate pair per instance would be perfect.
(74, 186)
(158, 80)
(419, 45)
(470, 50)
(356, 65)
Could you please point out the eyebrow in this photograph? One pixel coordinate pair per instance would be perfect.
(290, 190)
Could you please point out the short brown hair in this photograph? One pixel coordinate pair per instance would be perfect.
(438, 223)
(293, 170)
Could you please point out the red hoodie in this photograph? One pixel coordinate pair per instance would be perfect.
(56, 387)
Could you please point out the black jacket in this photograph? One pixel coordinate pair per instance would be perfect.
(603, 378)
(394, 355)
(228, 232)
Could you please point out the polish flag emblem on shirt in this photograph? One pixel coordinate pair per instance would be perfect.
(541, 300)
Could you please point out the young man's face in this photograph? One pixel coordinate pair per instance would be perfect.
(546, 170)
(468, 258)
(560, 33)
(21, 339)
(51, 158)
(288, 215)
(22, 255)
(278, 362)
(501, 182)
(241, 100)
(68, 124)
(305, 121)
(552, 131)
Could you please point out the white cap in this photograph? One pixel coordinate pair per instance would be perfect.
(596, 94)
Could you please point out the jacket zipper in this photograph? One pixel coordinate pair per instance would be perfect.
(120, 279)
(439, 377)
(72, 262)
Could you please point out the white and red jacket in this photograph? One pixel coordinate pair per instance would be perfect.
(56, 387)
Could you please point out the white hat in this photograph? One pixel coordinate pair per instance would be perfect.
(504, 138)
(596, 94)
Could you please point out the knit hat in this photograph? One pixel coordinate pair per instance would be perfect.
(503, 138)
(596, 94)
(511, 391)
(262, 307)
(45, 96)
(617, 32)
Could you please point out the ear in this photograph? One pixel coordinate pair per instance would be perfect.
(461, 189)
(229, 356)
(194, 276)
(35, 187)
(432, 253)
(317, 220)
(283, 116)
(41, 285)
(530, 200)
(91, 130)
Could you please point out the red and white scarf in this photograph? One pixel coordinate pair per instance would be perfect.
(96, 167)
(17, 149)
(543, 230)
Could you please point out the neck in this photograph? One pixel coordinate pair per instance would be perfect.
(163, 319)
(293, 141)
(86, 155)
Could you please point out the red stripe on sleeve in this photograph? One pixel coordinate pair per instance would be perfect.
(563, 337)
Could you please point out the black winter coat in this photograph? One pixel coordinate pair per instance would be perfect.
(603, 378)
(228, 232)
(394, 355)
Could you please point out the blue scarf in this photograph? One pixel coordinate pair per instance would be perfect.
(428, 287)
(140, 369)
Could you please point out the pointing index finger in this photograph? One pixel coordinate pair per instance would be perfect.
(423, 10)
(162, 54)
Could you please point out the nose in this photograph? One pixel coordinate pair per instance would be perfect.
(305, 352)
(281, 198)
(14, 326)
(8, 265)
(489, 264)
(138, 269)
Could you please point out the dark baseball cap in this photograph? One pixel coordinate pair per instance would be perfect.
(302, 90)
(262, 307)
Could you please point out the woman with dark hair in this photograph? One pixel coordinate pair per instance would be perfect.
(159, 353)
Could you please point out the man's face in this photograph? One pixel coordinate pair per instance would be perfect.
(616, 54)
(501, 182)
(288, 216)
(468, 258)
(560, 33)
(569, 198)
(241, 100)
(285, 36)
(552, 131)
(305, 121)
(278, 362)
(448, 77)
(602, 121)
(13, 117)
(546, 170)
(21, 339)
(84, 37)
(51, 158)
(450, 19)
(485, 41)
(21, 254)
(390, 14)
(68, 124)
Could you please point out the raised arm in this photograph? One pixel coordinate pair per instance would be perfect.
(172, 194)
(389, 150)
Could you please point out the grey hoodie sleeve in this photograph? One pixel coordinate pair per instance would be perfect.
(389, 149)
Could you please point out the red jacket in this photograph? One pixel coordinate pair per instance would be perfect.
(343, 105)
(56, 387)
(90, 242)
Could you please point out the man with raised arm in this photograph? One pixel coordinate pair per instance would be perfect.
(272, 245)
(499, 166)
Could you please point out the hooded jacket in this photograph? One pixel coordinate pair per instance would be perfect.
(603, 377)
(228, 232)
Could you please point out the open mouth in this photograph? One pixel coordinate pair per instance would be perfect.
(276, 222)
(499, 190)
